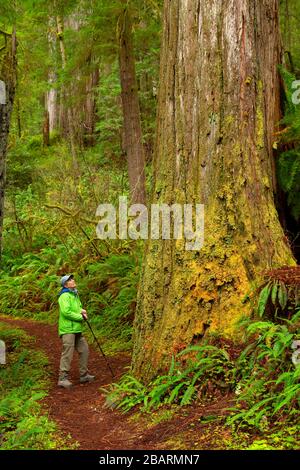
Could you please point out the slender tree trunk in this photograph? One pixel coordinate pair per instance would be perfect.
(52, 105)
(287, 35)
(46, 129)
(76, 87)
(19, 124)
(91, 105)
(217, 111)
(52, 95)
(287, 26)
(62, 114)
(69, 113)
(52, 102)
(133, 140)
(8, 73)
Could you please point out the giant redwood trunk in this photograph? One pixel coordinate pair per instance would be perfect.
(217, 113)
(133, 141)
(8, 69)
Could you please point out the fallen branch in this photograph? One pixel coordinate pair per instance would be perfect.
(73, 216)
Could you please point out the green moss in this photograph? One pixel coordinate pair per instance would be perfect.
(229, 119)
(266, 182)
(260, 125)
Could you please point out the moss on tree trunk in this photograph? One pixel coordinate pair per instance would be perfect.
(217, 114)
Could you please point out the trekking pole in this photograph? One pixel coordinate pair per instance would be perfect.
(112, 374)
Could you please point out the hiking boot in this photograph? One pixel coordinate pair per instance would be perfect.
(87, 378)
(64, 382)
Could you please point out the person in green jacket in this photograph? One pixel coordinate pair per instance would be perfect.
(71, 316)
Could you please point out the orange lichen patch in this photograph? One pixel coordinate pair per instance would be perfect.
(204, 295)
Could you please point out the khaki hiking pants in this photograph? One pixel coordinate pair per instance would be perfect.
(71, 341)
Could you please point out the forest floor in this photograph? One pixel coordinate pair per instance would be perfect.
(81, 414)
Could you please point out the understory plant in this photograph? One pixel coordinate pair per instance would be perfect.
(23, 383)
(195, 372)
(264, 376)
(30, 285)
(268, 388)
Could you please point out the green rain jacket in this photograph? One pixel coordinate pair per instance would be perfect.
(70, 317)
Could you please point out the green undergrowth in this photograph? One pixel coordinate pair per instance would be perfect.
(198, 370)
(108, 287)
(259, 379)
(288, 161)
(109, 291)
(196, 435)
(24, 381)
(50, 230)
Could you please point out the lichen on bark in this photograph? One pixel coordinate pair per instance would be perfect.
(217, 111)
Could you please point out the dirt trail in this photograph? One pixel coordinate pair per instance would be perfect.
(80, 412)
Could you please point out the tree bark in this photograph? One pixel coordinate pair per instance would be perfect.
(8, 74)
(69, 112)
(19, 124)
(90, 115)
(52, 104)
(46, 130)
(217, 113)
(133, 139)
(52, 94)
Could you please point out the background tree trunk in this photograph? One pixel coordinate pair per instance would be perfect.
(51, 100)
(133, 140)
(46, 130)
(69, 111)
(8, 73)
(52, 105)
(90, 115)
(217, 111)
